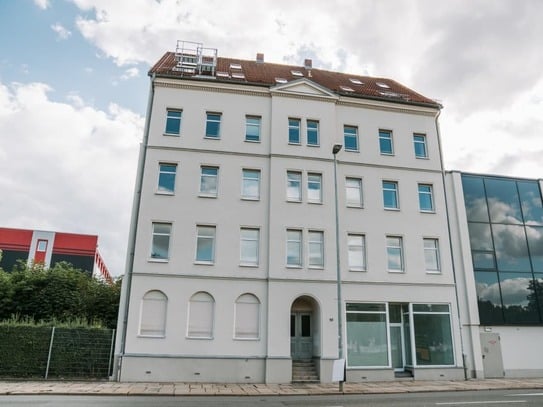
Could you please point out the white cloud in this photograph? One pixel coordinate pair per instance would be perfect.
(71, 167)
(130, 73)
(62, 32)
(43, 4)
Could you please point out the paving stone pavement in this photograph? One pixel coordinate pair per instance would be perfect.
(209, 389)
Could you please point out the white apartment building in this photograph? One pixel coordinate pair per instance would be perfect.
(232, 268)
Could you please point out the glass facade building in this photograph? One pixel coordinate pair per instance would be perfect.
(505, 222)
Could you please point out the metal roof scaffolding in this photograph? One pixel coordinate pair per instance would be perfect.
(193, 59)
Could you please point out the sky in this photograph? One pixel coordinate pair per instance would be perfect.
(74, 86)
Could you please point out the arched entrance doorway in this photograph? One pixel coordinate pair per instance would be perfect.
(304, 338)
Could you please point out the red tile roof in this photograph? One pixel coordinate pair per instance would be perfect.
(265, 74)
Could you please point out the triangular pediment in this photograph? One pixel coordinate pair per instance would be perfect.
(303, 87)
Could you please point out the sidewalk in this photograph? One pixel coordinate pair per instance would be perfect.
(214, 389)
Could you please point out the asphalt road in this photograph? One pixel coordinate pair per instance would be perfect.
(499, 398)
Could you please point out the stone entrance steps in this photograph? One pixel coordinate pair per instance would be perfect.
(304, 371)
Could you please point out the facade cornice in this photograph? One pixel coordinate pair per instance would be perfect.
(388, 106)
(212, 87)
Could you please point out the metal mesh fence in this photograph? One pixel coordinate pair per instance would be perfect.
(56, 353)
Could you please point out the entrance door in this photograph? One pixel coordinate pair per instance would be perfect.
(301, 340)
(397, 346)
(492, 354)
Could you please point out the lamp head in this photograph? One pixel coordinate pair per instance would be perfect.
(336, 149)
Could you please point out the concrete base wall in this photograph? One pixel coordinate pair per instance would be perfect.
(178, 369)
(453, 373)
(369, 375)
(521, 373)
(278, 370)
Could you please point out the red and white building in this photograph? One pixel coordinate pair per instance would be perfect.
(49, 248)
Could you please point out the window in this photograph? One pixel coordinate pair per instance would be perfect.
(316, 249)
(247, 317)
(213, 125)
(209, 181)
(367, 335)
(357, 252)
(294, 131)
(353, 192)
(249, 245)
(385, 142)
(294, 186)
(390, 195)
(395, 254)
(153, 314)
(433, 337)
(314, 188)
(173, 122)
(431, 255)
(294, 248)
(205, 244)
(161, 241)
(41, 246)
(419, 143)
(250, 188)
(350, 136)
(201, 315)
(166, 178)
(426, 199)
(312, 133)
(252, 128)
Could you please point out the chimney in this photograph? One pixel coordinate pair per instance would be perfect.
(308, 63)
(260, 58)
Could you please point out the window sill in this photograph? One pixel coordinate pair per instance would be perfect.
(205, 338)
(313, 145)
(249, 265)
(430, 212)
(246, 339)
(352, 151)
(252, 141)
(387, 154)
(171, 134)
(164, 193)
(358, 270)
(154, 260)
(212, 138)
(434, 272)
(392, 209)
(396, 271)
(355, 206)
(292, 266)
(294, 201)
(422, 158)
(247, 198)
(204, 263)
(206, 196)
(151, 336)
(315, 267)
(315, 202)
(290, 143)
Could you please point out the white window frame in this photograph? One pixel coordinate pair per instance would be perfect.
(398, 247)
(396, 195)
(317, 180)
(315, 129)
(319, 244)
(355, 135)
(299, 243)
(246, 239)
(430, 194)
(299, 127)
(362, 249)
(168, 117)
(424, 142)
(157, 328)
(245, 178)
(212, 194)
(209, 119)
(434, 252)
(360, 201)
(248, 300)
(200, 238)
(200, 297)
(298, 174)
(251, 124)
(158, 234)
(162, 172)
(385, 134)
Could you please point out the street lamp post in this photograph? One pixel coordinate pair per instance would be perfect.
(336, 149)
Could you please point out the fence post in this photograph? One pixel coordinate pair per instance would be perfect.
(50, 350)
(111, 352)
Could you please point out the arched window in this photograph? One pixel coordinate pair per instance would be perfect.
(247, 317)
(153, 314)
(201, 308)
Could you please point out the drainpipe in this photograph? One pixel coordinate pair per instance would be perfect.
(450, 244)
(127, 279)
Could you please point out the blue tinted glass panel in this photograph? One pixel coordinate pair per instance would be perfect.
(173, 122)
(294, 131)
(537, 289)
(503, 201)
(213, 125)
(350, 134)
(535, 244)
(519, 302)
(474, 197)
(511, 248)
(532, 207)
(425, 198)
(166, 180)
(483, 260)
(312, 133)
(480, 237)
(385, 142)
(419, 142)
(252, 129)
(390, 195)
(433, 339)
(488, 297)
